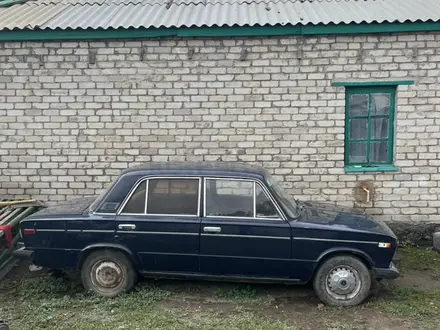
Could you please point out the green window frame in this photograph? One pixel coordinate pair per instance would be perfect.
(369, 127)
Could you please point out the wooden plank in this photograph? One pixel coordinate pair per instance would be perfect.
(8, 203)
(7, 266)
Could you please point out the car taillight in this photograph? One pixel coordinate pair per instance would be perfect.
(6, 229)
(28, 231)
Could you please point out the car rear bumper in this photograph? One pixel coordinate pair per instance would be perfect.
(23, 253)
(387, 273)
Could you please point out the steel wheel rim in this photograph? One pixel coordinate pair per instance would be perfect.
(343, 283)
(107, 274)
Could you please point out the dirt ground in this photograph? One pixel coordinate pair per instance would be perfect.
(409, 302)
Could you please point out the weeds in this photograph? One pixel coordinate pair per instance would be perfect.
(237, 293)
(420, 259)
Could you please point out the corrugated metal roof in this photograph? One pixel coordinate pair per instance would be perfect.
(104, 14)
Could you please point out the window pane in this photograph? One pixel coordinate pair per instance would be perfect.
(264, 206)
(358, 152)
(231, 198)
(380, 104)
(136, 204)
(378, 152)
(173, 196)
(358, 105)
(379, 128)
(358, 129)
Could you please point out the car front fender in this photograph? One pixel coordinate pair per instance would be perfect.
(345, 250)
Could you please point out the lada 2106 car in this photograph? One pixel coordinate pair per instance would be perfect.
(216, 221)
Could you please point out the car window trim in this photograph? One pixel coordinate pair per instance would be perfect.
(254, 181)
(147, 178)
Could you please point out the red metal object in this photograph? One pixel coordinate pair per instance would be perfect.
(8, 235)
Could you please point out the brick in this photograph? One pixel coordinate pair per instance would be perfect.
(70, 122)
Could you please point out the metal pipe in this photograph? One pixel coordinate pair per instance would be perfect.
(9, 251)
(22, 215)
(8, 216)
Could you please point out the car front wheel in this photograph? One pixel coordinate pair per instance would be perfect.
(342, 281)
(3, 326)
(108, 273)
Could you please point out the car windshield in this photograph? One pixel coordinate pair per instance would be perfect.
(288, 202)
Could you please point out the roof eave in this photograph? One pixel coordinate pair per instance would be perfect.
(234, 31)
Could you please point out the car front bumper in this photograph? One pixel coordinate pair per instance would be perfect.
(23, 253)
(387, 273)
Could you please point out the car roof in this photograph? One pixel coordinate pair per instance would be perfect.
(233, 169)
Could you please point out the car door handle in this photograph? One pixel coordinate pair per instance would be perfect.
(212, 230)
(127, 227)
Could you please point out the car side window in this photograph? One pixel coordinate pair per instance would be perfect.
(237, 198)
(229, 198)
(264, 207)
(173, 196)
(136, 203)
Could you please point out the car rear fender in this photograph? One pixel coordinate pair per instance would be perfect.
(103, 246)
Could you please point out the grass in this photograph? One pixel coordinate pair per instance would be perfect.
(420, 259)
(421, 306)
(238, 292)
(49, 303)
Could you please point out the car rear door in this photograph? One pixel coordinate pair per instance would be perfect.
(242, 232)
(160, 223)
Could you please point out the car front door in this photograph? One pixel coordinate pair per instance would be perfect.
(242, 232)
(160, 223)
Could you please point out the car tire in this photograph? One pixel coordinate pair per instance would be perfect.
(108, 273)
(342, 281)
(3, 326)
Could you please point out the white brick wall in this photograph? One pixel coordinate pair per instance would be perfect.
(68, 127)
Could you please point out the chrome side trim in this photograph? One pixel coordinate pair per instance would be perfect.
(189, 220)
(160, 215)
(49, 230)
(56, 220)
(199, 197)
(333, 240)
(75, 230)
(155, 232)
(171, 254)
(247, 236)
(147, 186)
(240, 218)
(255, 199)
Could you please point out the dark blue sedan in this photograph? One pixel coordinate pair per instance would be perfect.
(210, 221)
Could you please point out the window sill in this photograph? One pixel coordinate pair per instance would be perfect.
(382, 168)
(366, 83)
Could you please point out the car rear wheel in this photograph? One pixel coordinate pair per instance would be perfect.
(108, 273)
(342, 281)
